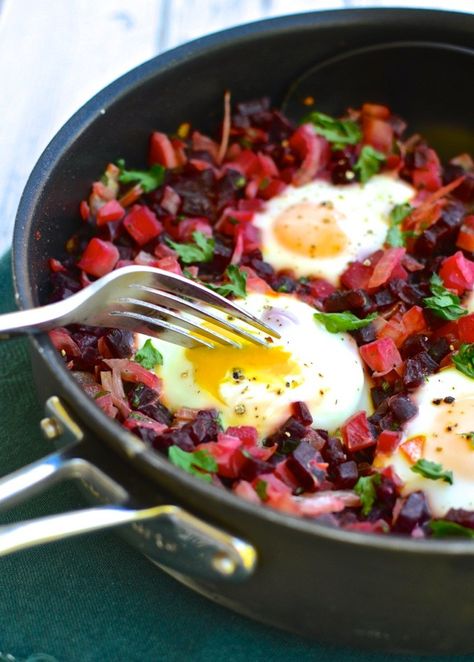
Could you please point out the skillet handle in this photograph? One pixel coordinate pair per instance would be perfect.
(173, 537)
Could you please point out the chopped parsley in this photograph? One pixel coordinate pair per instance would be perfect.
(196, 463)
(237, 284)
(261, 489)
(201, 251)
(148, 356)
(365, 489)
(432, 470)
(336, 322)
(464, 359)
(149, 180)
(443, 527)
(396, 237)
(337, 132)
(369, 163)
(443, 303)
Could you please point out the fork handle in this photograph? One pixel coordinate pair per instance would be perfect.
(33, 320)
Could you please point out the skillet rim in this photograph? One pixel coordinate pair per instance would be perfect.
(105, 429)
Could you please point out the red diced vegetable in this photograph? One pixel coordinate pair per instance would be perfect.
(141, 223)
(376, 110)
(386, 266)
(61, 339)
(381, 355)
(356, 276)
(111, 211)
(356, 432)
(414, 320)
(457, 273)
(84, 210)
(466, 235)
(387, 441)
(99, 258)
(313, 149)
(413, 448)
(466, 328)
(162, 151)
(377, 133)
(429, 176)
(188, 226)
(227, 453)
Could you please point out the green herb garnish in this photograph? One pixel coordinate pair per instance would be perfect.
(443, 303)
(432, 470)
(464, 359)
(195, 463)
(396, 237)
(337, 322)
(201, 251)
(365, 489)
(236, 285)
(149, 180)
(261, 489)
(369, 163)
(338, 132)
(148, 356)
(442, 527)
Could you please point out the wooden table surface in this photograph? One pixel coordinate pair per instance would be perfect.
(56, 54)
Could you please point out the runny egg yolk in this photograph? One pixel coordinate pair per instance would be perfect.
(252, 363)
(310, 229)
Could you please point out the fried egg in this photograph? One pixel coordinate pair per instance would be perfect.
(256, 385)
(317, 229)
(445, 423)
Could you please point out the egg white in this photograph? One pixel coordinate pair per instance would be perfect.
(444, 426)
(361, 212)
(325, 371)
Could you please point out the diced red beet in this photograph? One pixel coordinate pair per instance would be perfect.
(99, 257)
(301, 413)
(457, 273)
(414, 512)
(381, 355)
(111, 211)
(417, 368)
(312, 149)
(402, 407)
(142, 224)
(356, 276)
(428, 175)
(356, 432)
(377, 133)
(387, 441)
(466, 328)
(345, 475)
(307, 465)
(120, 342)
(61, 339)
(333, 452)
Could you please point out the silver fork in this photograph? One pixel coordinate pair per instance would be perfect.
(145, 300)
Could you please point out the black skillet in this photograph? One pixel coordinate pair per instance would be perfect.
(373, 591)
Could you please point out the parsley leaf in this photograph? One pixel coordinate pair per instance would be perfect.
(336, 322)
(261, 489)
(443, 303)
(443, 527)
(149, 180)
(201, 251)
(365, 488)
(148, 356)
(338, 132)
(236, 285)
(194, 463)
(432, 470)
(395, 235)
(464, 359)
(369, 163)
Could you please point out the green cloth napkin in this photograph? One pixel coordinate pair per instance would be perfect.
(95, 598)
